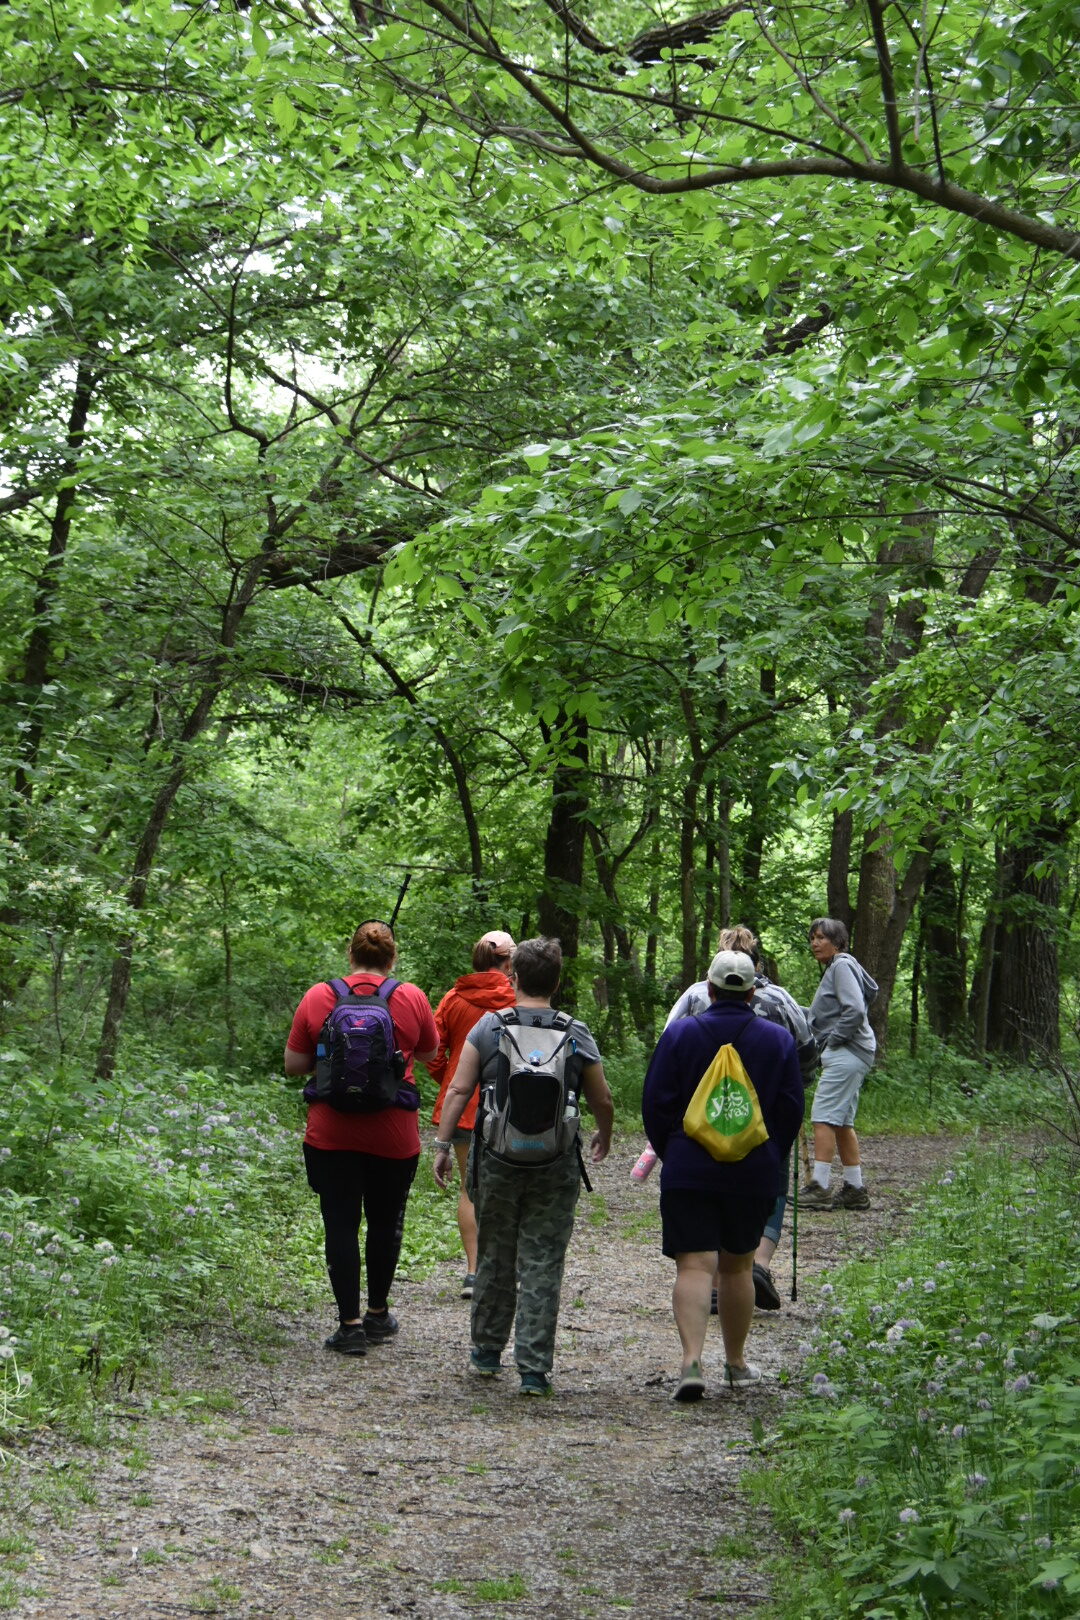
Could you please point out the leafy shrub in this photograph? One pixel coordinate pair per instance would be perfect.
(129, 1207)
(932, 1468)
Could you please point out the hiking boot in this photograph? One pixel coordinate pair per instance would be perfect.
(813, 1196)
(766, 1297)
(485, 1362)
(534, 1383)
(380, 1328)
(850, 1197)
(468, 1285)
(691, 1385)
(740, 1377)
(348, 1341)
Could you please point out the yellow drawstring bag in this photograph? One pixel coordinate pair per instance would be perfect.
(724, 1113)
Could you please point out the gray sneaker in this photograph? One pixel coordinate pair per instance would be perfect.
(741, 1377)
(850, 1197)
(813, 1196)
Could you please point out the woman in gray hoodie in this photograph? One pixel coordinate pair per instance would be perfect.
(847, 1045)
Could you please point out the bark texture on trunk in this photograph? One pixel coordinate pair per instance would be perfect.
(1028, 982)
(559, 905)
(944, 953)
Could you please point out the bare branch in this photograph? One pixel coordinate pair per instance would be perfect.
(888, 85)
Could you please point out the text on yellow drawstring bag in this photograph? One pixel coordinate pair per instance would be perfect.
(724, 1113)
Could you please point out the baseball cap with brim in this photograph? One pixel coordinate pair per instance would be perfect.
(501, 943)
(732, 970)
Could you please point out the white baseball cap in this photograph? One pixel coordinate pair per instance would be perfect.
(731, 970)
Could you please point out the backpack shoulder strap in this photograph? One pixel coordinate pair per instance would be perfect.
(385, 990)
(341, 990)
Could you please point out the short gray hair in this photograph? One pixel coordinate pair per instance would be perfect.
(832, 930)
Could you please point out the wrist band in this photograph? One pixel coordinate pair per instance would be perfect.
(443, 1147)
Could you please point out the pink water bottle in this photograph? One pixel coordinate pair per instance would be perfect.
(641, 1170)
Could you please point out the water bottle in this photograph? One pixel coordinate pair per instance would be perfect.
(642, 1169)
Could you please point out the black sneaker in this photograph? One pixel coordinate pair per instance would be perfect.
(691, 1385)
(535, 1383)
(380, 1328)
(468, 1285)
(348, 1341)
(766, 1297)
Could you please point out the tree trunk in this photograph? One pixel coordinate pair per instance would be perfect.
(944, 953)
(884, 905)
(983, 1004)
(622, 971)
(1028, 984)
(228, 1005)
(146, 853)
(838, 889)
(16, 964)
(564, 848)
(757, 801)
(711, 875)
(880, 925)
(687, 908)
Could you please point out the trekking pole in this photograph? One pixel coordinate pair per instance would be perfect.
(795, 1240)
(400, 898)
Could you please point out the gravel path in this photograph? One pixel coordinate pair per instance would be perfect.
(268, 1478)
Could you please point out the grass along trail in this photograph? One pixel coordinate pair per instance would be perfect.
(256, 1475)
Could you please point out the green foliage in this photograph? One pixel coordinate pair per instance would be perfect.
(931, 1464)
(131, 1208)
(943, 1090)
(373, 486)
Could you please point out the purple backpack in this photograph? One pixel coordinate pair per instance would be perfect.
(358, 1066)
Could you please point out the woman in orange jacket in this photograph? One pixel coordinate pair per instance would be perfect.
(486, 989)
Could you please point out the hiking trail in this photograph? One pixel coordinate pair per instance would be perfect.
(267, 1478)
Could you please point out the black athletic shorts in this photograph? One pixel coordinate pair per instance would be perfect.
(698, 1222)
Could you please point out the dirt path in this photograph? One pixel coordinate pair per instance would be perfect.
(276, 1480)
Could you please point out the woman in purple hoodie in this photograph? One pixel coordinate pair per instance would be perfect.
(847, 1045)
(486, 989)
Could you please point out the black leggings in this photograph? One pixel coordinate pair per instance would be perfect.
(352, 1186)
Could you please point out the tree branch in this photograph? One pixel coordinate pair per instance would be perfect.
(888, 85)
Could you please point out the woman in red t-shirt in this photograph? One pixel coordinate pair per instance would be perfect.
(486, 989)
(362, 1165)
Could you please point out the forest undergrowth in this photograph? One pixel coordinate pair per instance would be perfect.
(932, 1467)
(936, 1447)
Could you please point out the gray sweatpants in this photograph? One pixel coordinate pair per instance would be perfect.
(524, 1221)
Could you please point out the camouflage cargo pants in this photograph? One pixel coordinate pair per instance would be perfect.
(524, 1221)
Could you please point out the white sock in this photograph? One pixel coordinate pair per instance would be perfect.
(853, 1175)
(822, 1172)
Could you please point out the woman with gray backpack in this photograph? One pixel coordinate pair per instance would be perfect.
(533, 1065)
